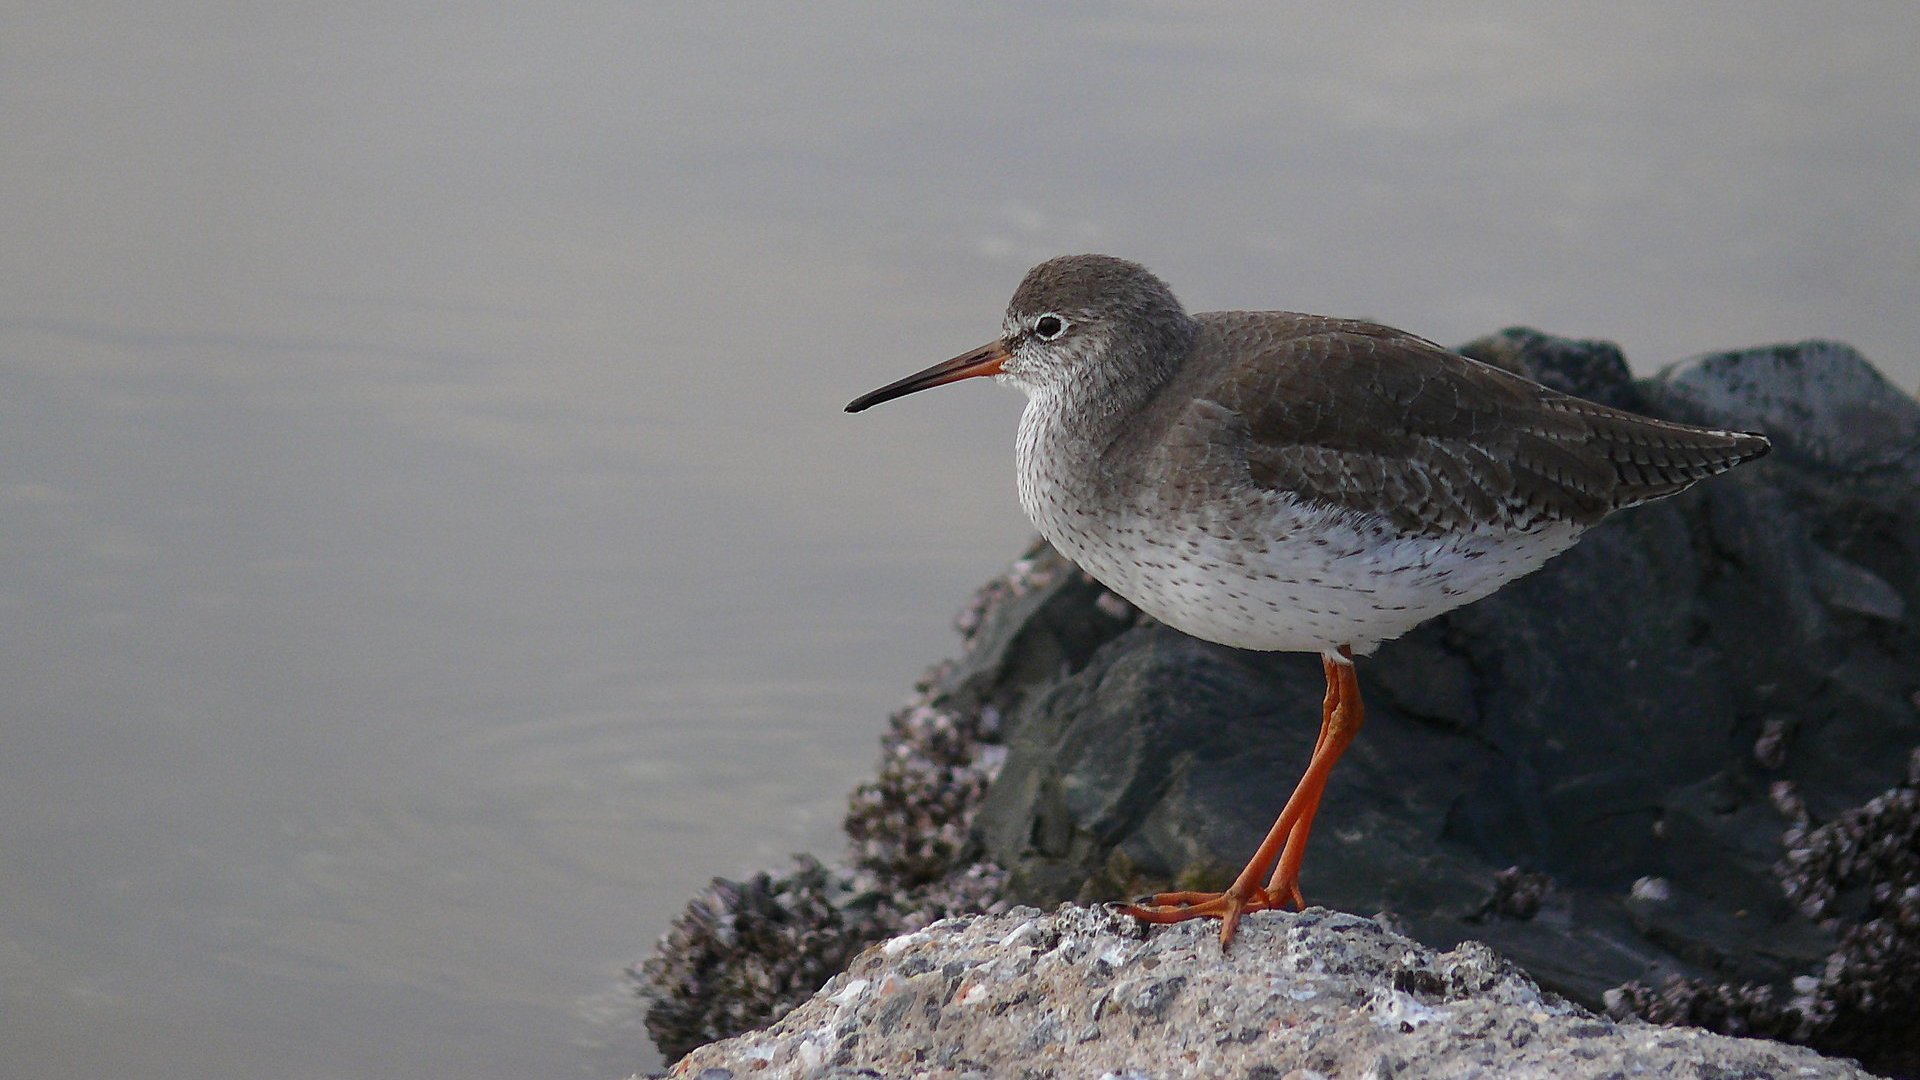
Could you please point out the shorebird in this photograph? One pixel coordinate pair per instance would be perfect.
(1285, 482)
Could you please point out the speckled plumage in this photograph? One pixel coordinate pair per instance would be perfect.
(1270, 480)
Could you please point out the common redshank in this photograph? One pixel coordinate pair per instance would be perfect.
(1286, 482)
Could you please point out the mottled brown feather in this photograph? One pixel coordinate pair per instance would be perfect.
(1371, 419)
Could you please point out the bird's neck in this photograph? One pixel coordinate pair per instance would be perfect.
(1069, 426)
(1096, 401)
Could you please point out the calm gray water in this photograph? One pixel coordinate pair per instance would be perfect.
(430, 545)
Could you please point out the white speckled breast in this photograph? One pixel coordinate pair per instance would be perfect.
(1258, 569)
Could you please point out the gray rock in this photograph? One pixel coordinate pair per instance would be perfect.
(1820, 401)
(1582, 770)
(1594, 370)
(1083, 993)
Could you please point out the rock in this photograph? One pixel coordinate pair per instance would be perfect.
(1595, 770)
(749, 949)
(1594, 370)
(1821, 401)
(1083, 993)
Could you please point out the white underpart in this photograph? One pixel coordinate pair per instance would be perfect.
(1264, 570)
(1293, 592)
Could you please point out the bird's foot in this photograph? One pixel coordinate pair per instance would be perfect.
(1227, 906)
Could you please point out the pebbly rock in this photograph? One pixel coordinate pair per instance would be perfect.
(1084, 993)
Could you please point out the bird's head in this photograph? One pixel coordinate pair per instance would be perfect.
(1075, 321)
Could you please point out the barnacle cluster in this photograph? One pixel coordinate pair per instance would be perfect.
(743, 951)
(1858, 875)
(909, 824)
(1518, 894)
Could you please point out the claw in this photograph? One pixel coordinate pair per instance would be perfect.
(1227, 906)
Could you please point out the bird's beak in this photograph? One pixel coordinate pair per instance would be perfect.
(985, 360)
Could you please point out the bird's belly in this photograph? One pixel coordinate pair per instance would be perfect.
(1293, 579)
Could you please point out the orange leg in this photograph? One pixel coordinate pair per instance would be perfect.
(1285, 846)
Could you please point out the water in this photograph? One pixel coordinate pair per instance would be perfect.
(430, 546)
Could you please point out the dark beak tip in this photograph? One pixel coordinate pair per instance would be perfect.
(985, 360)
(866, 401)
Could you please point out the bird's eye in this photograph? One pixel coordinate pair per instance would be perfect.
(1049, 326)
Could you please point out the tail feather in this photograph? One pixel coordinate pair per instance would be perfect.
(1652, 458)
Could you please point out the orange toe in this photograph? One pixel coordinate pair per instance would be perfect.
(1228, 907)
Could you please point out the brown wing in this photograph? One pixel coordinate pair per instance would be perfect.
(1372, 419)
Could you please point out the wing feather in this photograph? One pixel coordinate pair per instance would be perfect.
(1370, 419)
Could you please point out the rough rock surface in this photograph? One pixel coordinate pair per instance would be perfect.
(1082, 993)
(1651, 764)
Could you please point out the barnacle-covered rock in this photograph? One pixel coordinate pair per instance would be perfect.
(745, 951)
(1860, 875)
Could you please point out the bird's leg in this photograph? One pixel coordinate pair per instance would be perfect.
(1337, 729)
(1285, 844)
(1284, 887)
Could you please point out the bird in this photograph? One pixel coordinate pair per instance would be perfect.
(1284, 482)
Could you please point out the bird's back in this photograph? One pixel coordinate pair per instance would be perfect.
(1368, 419)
